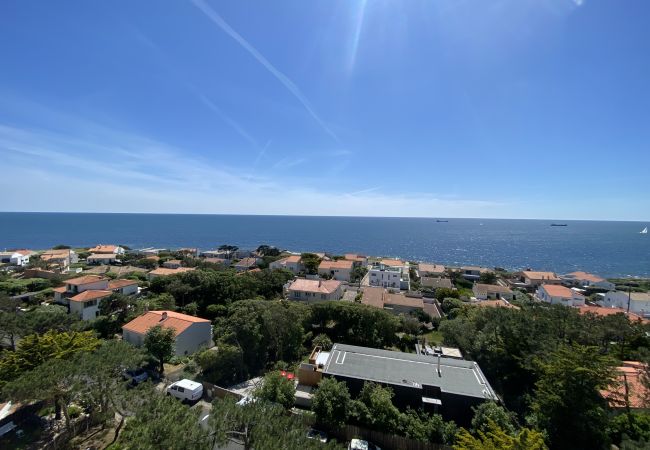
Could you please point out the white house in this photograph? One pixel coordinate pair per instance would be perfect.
(86, 304)
(78, 285)
(291, 263)
(491, 292)
(124, 287)
(535, 279)
(639, 301)
(315, 290)
(103, 258)
(116, 249)
(340, 270)
(384, 276)
(584, 280)
(559, 295)
(192, 333)
(62, 258)
(16, 257)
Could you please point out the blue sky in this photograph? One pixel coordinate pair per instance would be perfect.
(439, 108)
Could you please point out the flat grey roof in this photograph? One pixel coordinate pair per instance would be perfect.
(408, 369)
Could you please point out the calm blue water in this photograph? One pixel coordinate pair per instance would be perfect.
(606, 248)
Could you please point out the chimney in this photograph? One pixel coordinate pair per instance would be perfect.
(439, 371)
(164, 316)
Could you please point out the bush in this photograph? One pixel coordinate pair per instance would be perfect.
(74, 411)
(277, 389)
(323, 341)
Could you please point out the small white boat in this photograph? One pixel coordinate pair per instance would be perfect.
(644, 231)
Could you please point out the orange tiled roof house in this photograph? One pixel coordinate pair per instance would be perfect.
(192, 333)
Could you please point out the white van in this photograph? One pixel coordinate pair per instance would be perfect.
(186, 390)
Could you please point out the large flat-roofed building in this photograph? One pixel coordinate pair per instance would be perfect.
(444, 385)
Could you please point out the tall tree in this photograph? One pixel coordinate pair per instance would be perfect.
(260, 426)
(159, 342)
(277, 389)
(331, 403)
(497, 439)
(567, 403)
(34, 350)
(163, 422)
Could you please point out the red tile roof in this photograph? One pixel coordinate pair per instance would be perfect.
(103, 249)
(92, 294)
(630, 372)
(403, 300)
(117, 284)
(86, 279)
(430, 268)
(540, 275)
(60, 290)
(495, 304)
(163, 271)
(319, 286)
(555, 290)
(586, 276)
(373, 296)
(392, 262)
(177, 321)
(603, 311)
(340, 264)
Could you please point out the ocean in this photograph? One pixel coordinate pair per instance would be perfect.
(605, 248)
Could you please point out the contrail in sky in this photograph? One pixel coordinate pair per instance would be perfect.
(282, 78)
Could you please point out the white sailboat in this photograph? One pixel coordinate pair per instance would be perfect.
(644, 231)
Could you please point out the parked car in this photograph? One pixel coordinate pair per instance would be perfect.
(135, 376)
(317, 434)
(359, 444)
(185, 390)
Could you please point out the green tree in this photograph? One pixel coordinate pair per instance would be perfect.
(490, 412)
(259, 426)
(374, 408)
(429, 428)
(311, 262)
(159, 342)
(35, 349)
(488, 278)
(331, 403)
(223, 366)
(54, 381)
(323, 341)
(630, 427)
(443, 293)
(277, 389)
(497, 439)
(567, 402)
(163, 422)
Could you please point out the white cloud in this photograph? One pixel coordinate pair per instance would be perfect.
(116, 172)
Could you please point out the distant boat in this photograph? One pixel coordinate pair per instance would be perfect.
(644, 231)
(558, 224)
(438, 220)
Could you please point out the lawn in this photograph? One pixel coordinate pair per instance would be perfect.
(433, 337)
